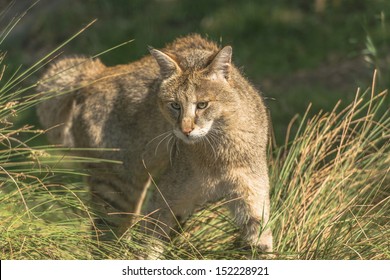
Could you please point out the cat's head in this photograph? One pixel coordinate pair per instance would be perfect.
(194, 91)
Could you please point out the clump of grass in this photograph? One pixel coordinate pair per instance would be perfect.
(43, 214)
(331, 185)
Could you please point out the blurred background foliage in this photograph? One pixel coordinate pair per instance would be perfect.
(296, 52)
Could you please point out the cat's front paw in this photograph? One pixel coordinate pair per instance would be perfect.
(265, 241)
(152, 251)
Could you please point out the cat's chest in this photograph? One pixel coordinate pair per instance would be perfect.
(207, 176)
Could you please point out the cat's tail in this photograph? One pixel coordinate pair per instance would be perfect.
(58, 87)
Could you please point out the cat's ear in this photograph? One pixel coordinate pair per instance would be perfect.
(168, 66)
(219, 68)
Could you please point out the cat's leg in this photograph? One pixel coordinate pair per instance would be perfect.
(168, 208)
(115, 204)
(158, 227)
(251, 209)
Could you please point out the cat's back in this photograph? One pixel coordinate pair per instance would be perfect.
(91, 102)
(119, 106)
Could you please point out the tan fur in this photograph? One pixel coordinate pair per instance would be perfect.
(184, 113)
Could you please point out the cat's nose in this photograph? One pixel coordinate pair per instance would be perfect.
(187, 125)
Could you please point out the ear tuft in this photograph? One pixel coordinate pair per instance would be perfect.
(220, 66)
(168, 65)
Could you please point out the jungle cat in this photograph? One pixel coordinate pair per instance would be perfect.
(185, 114)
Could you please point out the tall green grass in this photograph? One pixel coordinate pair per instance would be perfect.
(43, 211)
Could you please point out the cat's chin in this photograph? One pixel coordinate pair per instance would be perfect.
(190, 139)
(196, 135)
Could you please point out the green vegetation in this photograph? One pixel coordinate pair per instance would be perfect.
(330, 177)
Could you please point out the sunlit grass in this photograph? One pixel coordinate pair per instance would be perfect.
(331, 184)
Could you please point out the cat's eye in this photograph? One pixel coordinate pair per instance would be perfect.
(175, 105)
(202, 105)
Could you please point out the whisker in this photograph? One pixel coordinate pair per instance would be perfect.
(159, 143)
(214, 152)
(158, 136)
(213, 137)
(174, 143)
(169, 141)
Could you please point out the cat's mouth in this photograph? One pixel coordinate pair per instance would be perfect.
(195, 135)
